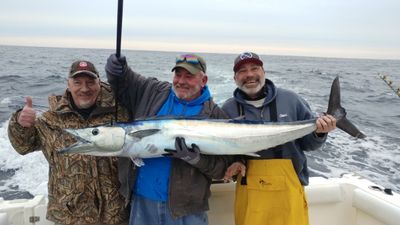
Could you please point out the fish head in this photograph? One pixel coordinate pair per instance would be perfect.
(97, 141)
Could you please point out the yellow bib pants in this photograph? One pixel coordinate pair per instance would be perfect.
(273, 195)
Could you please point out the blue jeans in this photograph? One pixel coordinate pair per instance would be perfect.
(149, 212)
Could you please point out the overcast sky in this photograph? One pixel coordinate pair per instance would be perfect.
(329, 28)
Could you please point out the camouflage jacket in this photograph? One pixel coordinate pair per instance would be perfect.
(81, 189)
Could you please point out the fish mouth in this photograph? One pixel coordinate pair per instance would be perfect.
(81, 145)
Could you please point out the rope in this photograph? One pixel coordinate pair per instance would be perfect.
(390, 84)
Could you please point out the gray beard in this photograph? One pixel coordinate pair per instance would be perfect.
(251, 92)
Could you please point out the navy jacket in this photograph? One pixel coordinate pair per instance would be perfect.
(290, 107)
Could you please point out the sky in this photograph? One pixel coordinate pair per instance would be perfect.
(321, 28)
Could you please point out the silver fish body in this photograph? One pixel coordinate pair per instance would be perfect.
(149, 138)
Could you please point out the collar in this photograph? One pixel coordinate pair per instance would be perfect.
(205, 96)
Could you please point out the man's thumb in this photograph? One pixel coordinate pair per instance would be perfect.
(28, 102)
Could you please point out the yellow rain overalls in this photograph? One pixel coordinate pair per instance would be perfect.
(273, 195)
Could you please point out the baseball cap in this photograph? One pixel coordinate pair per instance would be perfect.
(191, 62)
(85, 67)
(246, 57)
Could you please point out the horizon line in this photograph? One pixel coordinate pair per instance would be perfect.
(204, 52)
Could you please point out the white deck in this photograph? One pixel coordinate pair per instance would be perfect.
(338, 201)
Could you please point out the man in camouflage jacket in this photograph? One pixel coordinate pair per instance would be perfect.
(81, 189)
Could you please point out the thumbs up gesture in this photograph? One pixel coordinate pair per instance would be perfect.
(28, 115)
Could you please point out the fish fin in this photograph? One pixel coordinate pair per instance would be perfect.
(253, 154)
(169, 150)
(345, 125)
(336, 110)
(143, 133)
(137, 161)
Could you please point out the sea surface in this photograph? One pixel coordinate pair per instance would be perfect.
(370, 104)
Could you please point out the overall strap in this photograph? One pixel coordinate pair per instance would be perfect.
(274, 118)
(273, 112)
(239, 109)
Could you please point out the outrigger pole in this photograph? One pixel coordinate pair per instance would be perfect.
(118, 48)
(390, 84)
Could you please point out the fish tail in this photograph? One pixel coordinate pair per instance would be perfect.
(335, 109)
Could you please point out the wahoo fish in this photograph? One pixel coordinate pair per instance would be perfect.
(150, 138)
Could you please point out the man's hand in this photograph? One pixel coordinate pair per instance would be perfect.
(234, 169)
(116, 66)
(325, 124)
(190, 155)
(27, 116)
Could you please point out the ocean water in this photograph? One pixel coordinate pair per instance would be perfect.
(369, 102)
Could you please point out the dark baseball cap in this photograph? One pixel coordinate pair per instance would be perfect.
(83, 67)
(191, 62)
(246, 57)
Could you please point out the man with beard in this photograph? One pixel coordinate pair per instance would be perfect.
(168, 190)
(270, 188)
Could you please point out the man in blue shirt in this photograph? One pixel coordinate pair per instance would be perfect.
(168, 190)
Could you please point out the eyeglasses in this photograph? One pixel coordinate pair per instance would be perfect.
(192, 59)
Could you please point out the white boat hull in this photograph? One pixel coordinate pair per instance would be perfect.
(348, 200)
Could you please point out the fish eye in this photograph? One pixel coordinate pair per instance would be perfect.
(95, 131)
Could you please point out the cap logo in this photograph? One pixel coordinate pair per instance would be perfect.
(83, 64)
(246, 55)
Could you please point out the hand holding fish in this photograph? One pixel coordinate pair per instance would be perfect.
(325, 124)
(27, 116)
(190, 155)
(235, 169)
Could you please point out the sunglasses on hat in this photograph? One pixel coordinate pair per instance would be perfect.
(189, 58)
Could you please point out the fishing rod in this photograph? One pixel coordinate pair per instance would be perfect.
(119, 27)
(390, 84)
(118, 50)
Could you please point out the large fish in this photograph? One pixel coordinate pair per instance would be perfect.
(149, 138)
